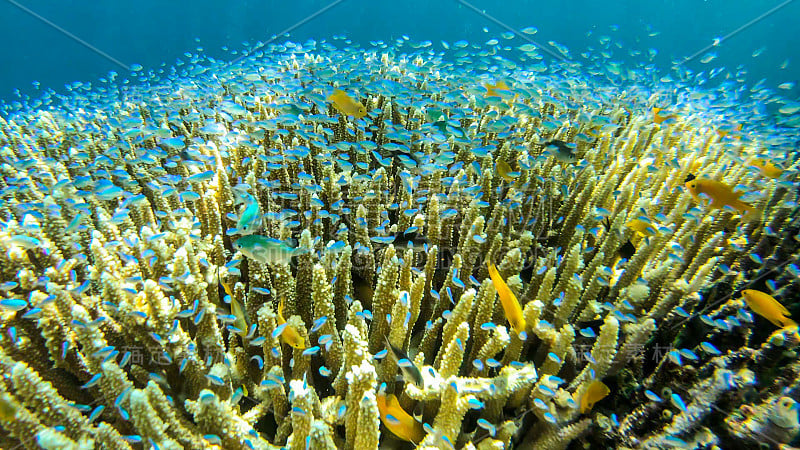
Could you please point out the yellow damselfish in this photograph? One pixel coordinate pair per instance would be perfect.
(347, 105)
(290, 335)
(8, 409)
(241, 322)
(767, 307)
(504, 170)
(766, 168)
(397, 420)
(507, 298)
(594, 393)
(641, 227)
(491, 90)
(721, 195)
(658, 118)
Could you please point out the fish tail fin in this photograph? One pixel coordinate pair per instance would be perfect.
(752, 214)
(786, 322)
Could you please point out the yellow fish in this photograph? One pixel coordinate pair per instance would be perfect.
(766, 168)
(347, 105)
(594, 393)
(721, 195)
(504, 170)
(658, 118)
(641, 227)
(397, 420)
(8, 410)
(491, 90)
(507, 298)
(290, 335)
(237, 309)
(767, 307)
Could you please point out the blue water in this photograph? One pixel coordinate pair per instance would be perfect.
(154, 33)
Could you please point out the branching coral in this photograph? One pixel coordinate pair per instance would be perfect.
(134, 310)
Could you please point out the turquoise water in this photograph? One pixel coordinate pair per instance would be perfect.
(452, 224)
(153, 33)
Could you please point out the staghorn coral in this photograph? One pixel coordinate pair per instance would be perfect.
(131, 314)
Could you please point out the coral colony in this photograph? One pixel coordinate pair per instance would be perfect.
(324, 246)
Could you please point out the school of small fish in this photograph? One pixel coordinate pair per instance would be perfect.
(320, 245)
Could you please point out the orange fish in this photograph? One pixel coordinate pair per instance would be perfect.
(347, 105)
(289, 335)
(767, 307)
(507, 298)
(658, 118)
(721, 195)
(594, 393)
(397, 420)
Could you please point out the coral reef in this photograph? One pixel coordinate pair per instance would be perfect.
(133, 314)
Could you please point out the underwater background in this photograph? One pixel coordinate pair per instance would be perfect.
(152, 33)
(458, 224)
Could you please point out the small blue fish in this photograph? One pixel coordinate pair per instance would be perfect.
(311, 351)
(13, 304)
(588, 333)
(652, 396)
(318, 324)
(547, 391)
(269, 383)
(93, 381)
(475, 403)
(25, 242)
(202, 176)
(212, 439)
(709, 348)
(675, 442)
(688, 354)
(483, 423)
(250, 220)
(677, 401)
(207, 397)
(96, 413)
(410, 371)
(266, 250)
